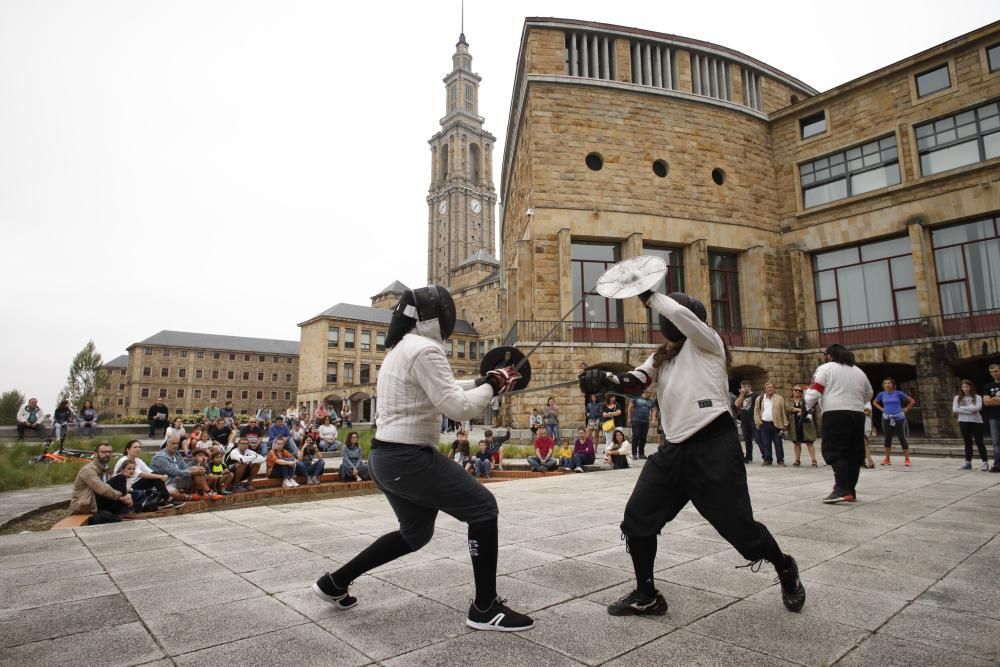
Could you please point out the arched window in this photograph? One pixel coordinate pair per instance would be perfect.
(474, 163)
(444, 162)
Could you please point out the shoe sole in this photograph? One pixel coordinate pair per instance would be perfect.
(631, 611)
(831, 501)
(332, 600)
(496, 628)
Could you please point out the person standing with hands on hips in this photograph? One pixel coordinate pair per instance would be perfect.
(894, 405)
(700, 460)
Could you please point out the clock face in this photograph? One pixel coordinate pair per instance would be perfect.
(475, 206)
(443, 207)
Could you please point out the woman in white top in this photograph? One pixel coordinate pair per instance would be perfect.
(968, 405)
(328, 436)
(175, 430)
(292, 414)
(144, 477)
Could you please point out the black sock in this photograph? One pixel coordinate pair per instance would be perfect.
(386, 548)
(483, 544)
(643, 552)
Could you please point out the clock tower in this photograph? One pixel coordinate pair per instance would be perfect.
(461, 201)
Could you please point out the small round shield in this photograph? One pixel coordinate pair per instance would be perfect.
(501, 357)
(631, 277)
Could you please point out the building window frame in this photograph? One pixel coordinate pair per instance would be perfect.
(331, 372)
(847, 166)
(380, 341)
(979, 124)
(349, 373)
(810, 123)
(983, 231)
(333, 336)
(366, 340)
(349, 333)
(586, 264)
(940, 67)
(724, 290)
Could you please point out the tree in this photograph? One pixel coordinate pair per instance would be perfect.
(86, 377)
(10, 402)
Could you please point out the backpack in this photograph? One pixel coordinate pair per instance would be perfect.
(146, 500)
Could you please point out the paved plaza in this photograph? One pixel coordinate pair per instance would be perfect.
(906, 576)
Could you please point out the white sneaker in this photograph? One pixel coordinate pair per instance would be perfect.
(985, 466)
(292, 482)
(287, 482)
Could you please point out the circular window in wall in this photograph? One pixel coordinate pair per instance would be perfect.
(594, 161)
(660, 168)
(718, 176)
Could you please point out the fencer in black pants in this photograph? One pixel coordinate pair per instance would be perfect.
(701, 459)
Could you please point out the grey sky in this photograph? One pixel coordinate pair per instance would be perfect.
(237, 167)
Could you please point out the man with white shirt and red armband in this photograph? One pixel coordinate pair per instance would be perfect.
(416, 386)
(700, 460)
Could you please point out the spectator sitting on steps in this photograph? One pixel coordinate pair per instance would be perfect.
(61, 420)
(144, 478)
(328, 436)
(494, 443)
(311, 463)
(86, 421)
(157, 417)
(483, 460)
(281, 464)
(244, 463)
(181, 475)
(91, 487)
(279, 429)
(30, 418)
(542, 461)
(353, 466)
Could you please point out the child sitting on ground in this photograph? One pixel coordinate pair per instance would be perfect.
(483, 462)
(564, 453)
(218, 470)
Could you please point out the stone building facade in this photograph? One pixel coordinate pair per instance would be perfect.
(187, 370)
(111, 398)
(866, 214)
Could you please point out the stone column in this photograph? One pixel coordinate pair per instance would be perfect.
(696, 271)
(936, 387)
(632, 309)
(623, 58)
(924, 274)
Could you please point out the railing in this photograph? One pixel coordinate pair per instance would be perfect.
(596, 333)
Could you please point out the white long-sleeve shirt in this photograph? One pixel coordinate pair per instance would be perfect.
(968, 408)
(692, 387)
(416, 386)
(841, 387)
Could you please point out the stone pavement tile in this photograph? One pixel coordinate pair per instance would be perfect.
(522, 596)
(33, 594)
(952, 525)
(201, 628)
(484, 648)
(943, 548)
(422, 556)
(682, 545)
(371, 593)
(719, 576)
(860, 578)
(664, 561)
(118, 646)
(134, 546)
(133, 561)
(687, 648)
(311, 531)
(951, 630)
(584, 631)
(685, 605)
(24, 543)
(911, 559)
(977, 570)
(568, 544)
(510, 533)
(818, 532)
(448, 544)
(573, 576)
(616, 557)
(887, 651)
(516, 557)
(396, 627)
(199, 521)
(780, 633)
(68, 569)
(214, 533)
(282, 578)
(17, 561)
(256, 559)
(429, 576)
(306, 645)
(982, 598)
(377, 524)
(340, 548)
(125, 531)
(252, 541)
(705, 532)
(195, 594)
(163, 573)
(807, 553)
(68, 618)
(866, 610)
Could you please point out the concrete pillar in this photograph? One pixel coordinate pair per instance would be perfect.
(696, 271)
(624, 60)
(925, 274)
(633, 310)
(754, 310)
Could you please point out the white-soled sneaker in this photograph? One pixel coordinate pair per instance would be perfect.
(498, 617)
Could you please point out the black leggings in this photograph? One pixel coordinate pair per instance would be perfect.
(900, 428)
(972, 430)
(143, 484)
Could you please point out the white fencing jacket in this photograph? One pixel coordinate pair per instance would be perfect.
(416, 386)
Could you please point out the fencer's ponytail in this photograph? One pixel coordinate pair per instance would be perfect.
(666, 352)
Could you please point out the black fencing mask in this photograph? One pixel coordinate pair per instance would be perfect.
(430, 310)
(667, 328)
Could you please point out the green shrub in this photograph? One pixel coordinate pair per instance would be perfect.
(16, 473)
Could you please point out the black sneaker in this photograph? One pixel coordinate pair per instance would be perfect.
(793, 594)
(639, 604)
(332, 593)
(838, 496)
(498, 616)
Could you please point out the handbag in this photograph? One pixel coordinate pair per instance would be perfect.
(608, 426)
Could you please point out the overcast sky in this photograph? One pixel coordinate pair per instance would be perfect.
(236, 167)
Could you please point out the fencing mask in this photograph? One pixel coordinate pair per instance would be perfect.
(430, 310)
(668, 329)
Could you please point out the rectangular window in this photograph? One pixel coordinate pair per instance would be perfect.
(933, 80)
(349, 374)
(144, 392)
(812, 125)
(491, 344)
(589, 261)
(180, 393)
(364, 375)
(274, 377)
(232, 357)
(993, 57)
(197, 393)
(348, 338)
(482, 349)
(244, 394)
(955, 141)
(366, 340)
(166, 352)
(147, 351)
(857, 170)
(274, 395)
(288, 377)
(216, 355)
(333, 337)
(147, 371)
(331, 372)
(184, 354)
(967, 258)
(288, 360)
(229, 394)
(230, 375)
(200, 354)
(274, 360)
(163, 393)
(260, 377)
(449, 348)
(461, 349)
(724, 284)
(121, 387)
(468, 98)
(865, 284)
(182, 372)
(121, 401)
(288, 395)
(164, 372)
(452, 97)
(260, 358)
(121, 371)
(591, 55)
(246, 375)
(473, 350)
(246, 357)
(244, 411)
(260, 395)
(215, 375)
